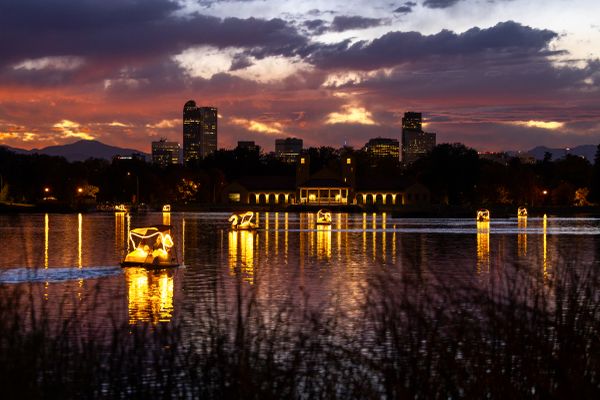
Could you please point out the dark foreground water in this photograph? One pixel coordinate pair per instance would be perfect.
(66, 261)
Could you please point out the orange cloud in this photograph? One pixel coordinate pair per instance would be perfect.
(351, 115)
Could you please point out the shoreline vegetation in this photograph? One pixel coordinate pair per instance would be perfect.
(511, 333)
(452, 180)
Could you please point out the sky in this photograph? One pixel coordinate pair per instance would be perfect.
(493, 74)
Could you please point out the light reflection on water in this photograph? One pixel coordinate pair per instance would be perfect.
(290, 253)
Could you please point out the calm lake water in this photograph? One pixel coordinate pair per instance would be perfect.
(66, 261)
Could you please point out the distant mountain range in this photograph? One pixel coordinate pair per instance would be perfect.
(80, 150)
(84, 149)
(587, 150)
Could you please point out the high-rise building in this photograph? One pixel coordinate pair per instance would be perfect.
(383, 148)
(165, 153)
(288, 149)
(209, 117)
(415, 142)
(412, 121)
(199, 131)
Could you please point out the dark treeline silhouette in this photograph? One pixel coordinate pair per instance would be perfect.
(454, 173)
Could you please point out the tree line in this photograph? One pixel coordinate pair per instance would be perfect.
(454, 173)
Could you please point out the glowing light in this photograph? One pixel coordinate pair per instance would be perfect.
(522, 236)
(324, 242)
(150, 295)
(351, 115)
(71, 129)
(79, 239)
(142, 238)
(545, 250)
(46, 238)
(164, 124)
(551, 125)
(243, 221)
(522, 212)
(483, 215)
(483, 246)
(323, 217)
(271, 128)
(166, 208)
(241, 254)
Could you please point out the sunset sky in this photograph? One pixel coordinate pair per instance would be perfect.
(493, 74)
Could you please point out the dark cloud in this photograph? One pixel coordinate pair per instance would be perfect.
(316, 26)
(439, 3)
(129, 29)
(343, 23)
(504, 42)
(240, 61)
(405, 8)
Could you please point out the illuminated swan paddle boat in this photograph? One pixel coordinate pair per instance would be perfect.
(153, 247)
(121, 208)
(243, 222)
(483, 215)
(522, 212)
(323, 217)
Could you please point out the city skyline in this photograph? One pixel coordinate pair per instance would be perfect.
(499, 75)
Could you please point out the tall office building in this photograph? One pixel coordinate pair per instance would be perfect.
(288, 149)
(412, 121)
(415, 142)
(165, 153)
(199, 131)
(209, 117)
(383, 148)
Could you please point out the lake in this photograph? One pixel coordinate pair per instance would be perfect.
(71, 260)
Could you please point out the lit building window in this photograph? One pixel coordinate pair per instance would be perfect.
(234, 197)
(302, 160)
(348, 161)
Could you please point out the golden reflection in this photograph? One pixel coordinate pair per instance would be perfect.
(324, 242)
(183, 241)
(364, 234)
(119, 232)
(394, 246)
(374, 235)
(128, 230)
(276, 233)
(285, 251)
(241, 254)
(522, 237)
(483, 246)
(46, 238)
(79, 239)
(338, 226)
(166, 218)
(545, 244)
(150, 295)
(383, 235)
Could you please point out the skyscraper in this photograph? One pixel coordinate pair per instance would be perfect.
(191, 132)
(165, 153)
(383, 148)
(415, 142)
(199, 131)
